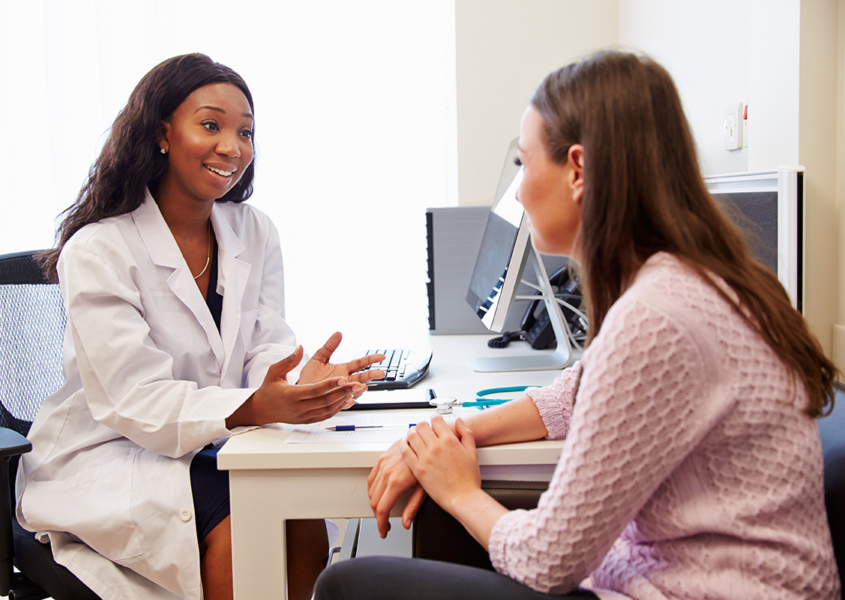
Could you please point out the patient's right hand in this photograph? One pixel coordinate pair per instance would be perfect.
(388, 480)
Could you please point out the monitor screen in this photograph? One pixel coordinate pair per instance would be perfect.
(768, 208)
(503, 252)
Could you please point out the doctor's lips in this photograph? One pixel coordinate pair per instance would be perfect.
(222, 170)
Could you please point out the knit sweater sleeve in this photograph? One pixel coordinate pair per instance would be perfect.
(555, 402)
(645, 400)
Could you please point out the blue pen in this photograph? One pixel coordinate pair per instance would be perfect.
(354, 427)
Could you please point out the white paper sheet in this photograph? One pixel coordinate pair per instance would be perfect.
(397, 397)
(394, 426)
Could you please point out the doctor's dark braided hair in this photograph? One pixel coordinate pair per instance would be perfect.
(131, 160)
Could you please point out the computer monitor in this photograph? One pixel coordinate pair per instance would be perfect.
(504, 252)
(768, 205)
(501, 259)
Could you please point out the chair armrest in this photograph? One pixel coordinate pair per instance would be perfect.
(12, 443)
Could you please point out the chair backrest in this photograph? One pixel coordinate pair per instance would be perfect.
(832, 430)
(32, 323)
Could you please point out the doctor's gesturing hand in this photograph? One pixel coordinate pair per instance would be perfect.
(278, 401)
(318, 367)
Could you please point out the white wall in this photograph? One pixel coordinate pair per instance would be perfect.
(709, 76)
(774, 84)
(354, 115)
(721, 52)
(504, 48)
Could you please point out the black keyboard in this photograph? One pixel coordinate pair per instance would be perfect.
(403, 368)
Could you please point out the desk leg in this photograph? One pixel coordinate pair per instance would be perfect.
(259, 555)
(262, 500)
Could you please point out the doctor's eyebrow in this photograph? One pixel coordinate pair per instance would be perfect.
(220, 110)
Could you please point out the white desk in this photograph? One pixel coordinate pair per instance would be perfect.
(271, 481)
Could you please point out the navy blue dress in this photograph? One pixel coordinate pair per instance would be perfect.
(210, 487)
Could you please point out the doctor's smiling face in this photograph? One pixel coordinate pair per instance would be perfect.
(208, 141)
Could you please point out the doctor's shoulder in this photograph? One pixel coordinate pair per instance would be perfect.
(105, 239)
(247, 221)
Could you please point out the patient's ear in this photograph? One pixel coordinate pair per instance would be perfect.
(575, 160)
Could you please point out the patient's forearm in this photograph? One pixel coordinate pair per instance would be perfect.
(478, 513)
(516, 421)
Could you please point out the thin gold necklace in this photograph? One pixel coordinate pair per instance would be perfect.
(208, 259)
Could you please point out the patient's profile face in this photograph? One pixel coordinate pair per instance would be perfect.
(208, 141)
(549, 191)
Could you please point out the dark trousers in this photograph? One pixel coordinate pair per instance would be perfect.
(387, 577)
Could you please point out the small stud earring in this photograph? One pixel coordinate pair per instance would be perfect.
(163, 151)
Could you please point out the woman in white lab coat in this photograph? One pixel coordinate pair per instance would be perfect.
(174, 293)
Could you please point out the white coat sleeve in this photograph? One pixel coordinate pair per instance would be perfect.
(128, 381)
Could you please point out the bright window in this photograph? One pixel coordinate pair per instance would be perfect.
(355, 129)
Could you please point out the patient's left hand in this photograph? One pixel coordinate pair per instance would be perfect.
(318, 367)
(445, 463)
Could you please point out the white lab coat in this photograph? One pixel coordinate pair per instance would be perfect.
(149, 381)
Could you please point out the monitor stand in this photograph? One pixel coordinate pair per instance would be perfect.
(539, 360)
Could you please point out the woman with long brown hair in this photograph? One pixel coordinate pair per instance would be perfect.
(692, 466)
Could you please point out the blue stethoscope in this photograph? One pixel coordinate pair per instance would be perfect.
(445, 405)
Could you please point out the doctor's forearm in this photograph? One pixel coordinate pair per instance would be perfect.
(244, 415)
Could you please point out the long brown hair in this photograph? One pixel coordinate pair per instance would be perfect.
(643, 194)
(130, 161)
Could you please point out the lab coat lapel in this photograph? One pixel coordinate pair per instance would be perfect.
(164, 252)
(233, 275)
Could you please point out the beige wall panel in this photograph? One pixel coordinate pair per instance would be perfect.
(817, 152)
(504, 48)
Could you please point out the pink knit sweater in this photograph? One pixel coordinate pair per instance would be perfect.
(689, 470)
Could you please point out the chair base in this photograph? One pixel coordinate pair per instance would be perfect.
(24, 589)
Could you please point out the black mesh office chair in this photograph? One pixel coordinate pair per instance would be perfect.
(832, 430)
(32, 322)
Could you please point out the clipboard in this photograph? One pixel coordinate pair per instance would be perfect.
(393, 399)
